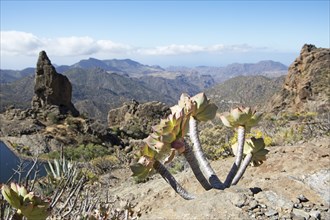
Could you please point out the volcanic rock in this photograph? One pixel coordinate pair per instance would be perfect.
(136, 119)
(51, 88)
(306, 87)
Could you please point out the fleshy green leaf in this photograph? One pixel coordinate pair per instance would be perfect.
(139, 171)
(208, 113)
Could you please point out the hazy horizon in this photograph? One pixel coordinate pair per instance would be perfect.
(164, 33)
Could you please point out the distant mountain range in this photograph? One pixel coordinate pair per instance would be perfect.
(134, 69)
(100, 85)
(266, 68)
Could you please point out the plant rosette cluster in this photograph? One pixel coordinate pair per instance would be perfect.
(26, 203)
(255, 147)
(167, 137)
(241, 116)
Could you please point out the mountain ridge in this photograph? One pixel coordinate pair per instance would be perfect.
(136, 69)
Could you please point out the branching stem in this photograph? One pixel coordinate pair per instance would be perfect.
(203, 163)
(239, 156)
(172, 181)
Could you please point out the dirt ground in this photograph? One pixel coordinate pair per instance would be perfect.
(289, 172)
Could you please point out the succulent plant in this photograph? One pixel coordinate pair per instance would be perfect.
(26, 203)
(242, 119)
(142, 168)
(241, 116)
(255, 154)
(256, 147)
(167, 139)
(204, 109)
(147, 163)
(60, 168)
(166, 133)
(199, 108)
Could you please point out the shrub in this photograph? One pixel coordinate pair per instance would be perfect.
(53, 118)
(105, 163)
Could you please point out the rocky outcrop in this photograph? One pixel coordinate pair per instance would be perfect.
(136, 119)
(51, 88)
(306, 87)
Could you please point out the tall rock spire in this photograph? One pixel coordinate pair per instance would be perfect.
(51, 88)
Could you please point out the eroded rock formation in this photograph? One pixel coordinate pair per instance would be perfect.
(136, 119)
(51, 88)
(306, 87)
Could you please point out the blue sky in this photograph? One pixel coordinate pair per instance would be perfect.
(185, 33)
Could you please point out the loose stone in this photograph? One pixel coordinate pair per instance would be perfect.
(315, 214)
(299, 212)
(302, 198)
(271, 212)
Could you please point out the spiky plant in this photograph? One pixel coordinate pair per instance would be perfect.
(242, 119)
(254, 153)
(60, 168)
(26, 203)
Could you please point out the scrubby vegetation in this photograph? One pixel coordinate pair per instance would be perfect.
(66, 190)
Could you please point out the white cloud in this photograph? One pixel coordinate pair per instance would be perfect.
(175, 49)
(112, 47)
(21, 43)
(172, 49)
(69, 46)
(15, 42)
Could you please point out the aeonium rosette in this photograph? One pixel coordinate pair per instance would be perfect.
(255, 147)
(163, 142)
(241, 116)
(26, 203)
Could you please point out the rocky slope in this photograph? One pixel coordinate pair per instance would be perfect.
(244, 90)
(293, 183)
(306, 87)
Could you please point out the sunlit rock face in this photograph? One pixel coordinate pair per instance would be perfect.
(51, 88)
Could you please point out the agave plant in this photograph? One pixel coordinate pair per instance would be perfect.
(242, 119)
(60, 168)
(26, 203)
(254, 152)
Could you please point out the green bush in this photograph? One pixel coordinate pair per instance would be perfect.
(81, 152)
(86, 152)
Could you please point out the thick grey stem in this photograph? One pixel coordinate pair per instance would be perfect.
(204, 165)
(242, 169)
(239, 156)
(171, 180)
(190, 157)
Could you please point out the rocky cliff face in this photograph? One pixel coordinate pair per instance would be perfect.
(51, 88)
(306, 87)
(136, 119)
